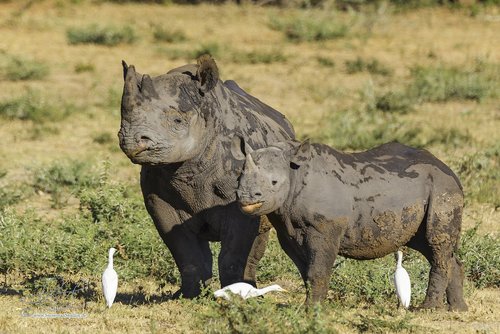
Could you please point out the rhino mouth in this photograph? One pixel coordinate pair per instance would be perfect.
(249, 208)
(138, 151)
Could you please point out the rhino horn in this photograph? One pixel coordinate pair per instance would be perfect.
(147, 87)
(131, 87)
(250, 163)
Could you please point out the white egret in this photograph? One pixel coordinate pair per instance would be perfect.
(245, 290)
(402, 283)
(110, 280)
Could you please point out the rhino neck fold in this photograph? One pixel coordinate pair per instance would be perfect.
(296, 186)
(202, 165)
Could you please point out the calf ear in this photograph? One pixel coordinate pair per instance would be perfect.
(301, 154)
(240, 148)
(207, 73)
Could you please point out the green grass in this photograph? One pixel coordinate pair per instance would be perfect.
(102, 35)
(480, 175)
(310, 27)
(372, 66)
(34, 107)
(16, 68)
(365, 128)
(259, 57)
(162, 34)
(84, 67)
(62, 180)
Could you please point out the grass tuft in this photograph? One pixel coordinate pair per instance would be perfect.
(372, 66)
(310, 28)
(161, 34)
(15, 68)
(94, 34)
(31, 106)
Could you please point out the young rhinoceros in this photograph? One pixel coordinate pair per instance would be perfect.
(366, 205)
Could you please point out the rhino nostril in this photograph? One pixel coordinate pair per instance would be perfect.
(257, 194)
(145, 138)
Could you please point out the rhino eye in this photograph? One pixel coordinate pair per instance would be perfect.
(177, 121)
(274, 182)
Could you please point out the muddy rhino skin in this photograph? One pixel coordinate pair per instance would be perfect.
(178, 126)
(323, 202)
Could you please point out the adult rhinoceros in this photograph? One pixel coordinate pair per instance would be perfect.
(179, 127)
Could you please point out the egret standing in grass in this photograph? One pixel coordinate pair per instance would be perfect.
(245, 290)
(110, 280)
(402, 283)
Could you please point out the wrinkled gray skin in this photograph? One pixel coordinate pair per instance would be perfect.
(178, 126)
(323, 202)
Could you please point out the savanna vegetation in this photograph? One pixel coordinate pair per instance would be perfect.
(352, 74)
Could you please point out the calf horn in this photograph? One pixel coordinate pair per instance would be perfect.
(250, 163)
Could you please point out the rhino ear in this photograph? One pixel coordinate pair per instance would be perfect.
(240, 148)
(207, 73)
(301, 154)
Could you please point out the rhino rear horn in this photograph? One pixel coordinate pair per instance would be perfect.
(207, 73)
(147, 87)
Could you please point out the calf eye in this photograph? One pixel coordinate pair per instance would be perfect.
(274, 182)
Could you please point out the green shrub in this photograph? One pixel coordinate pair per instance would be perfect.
(84, 67)
(372, 66)
(94, 34)
(325, 61)
(366, 128)
(78, 243)
(310, 27)
(161, 34)
(18, 68)
(31, 106)
(481, 258)
(441, 84)
(480, 175)
(61, 180)
(211, 48)
(259, 57)
(261, 316)
(104, 138)
(394, 102)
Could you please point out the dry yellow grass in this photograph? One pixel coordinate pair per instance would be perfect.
(304, 91)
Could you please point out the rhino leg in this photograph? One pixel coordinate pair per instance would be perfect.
(241, 246)
(290, 246)
(192, 255)
(322, 248)
(437, 241)
(455, 289)
(257, 251)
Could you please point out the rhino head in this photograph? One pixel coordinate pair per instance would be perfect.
(165, 119)
(264, 184)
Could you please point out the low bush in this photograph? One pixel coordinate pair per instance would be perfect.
(19, 68)
(480, 175)
(481, 258)
(94, 34)
(310, 27)
(372, 66)
(161, 34)
(31, 106)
